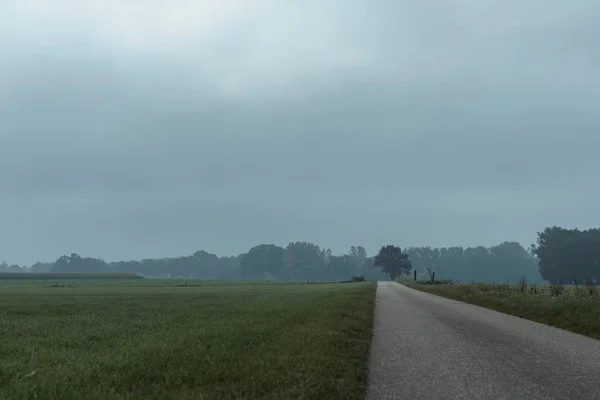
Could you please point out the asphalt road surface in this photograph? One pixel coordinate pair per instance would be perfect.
(429, 347)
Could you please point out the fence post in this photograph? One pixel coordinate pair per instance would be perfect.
(433, 278)
(415, 276)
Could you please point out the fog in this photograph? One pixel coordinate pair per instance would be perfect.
(149, 129)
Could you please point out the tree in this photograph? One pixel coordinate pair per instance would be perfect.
(393, 261)
(424, 259)
(339, 268)
(262, 261)
(41, 267)
(508, 261)
(359, 257)
(303, 260)
(568, 255)
(76, 263)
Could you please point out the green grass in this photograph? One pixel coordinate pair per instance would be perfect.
(573, 308)
(66, 275)
(86, 283)
(212, 341)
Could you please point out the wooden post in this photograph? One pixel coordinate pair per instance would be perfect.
(415, 276)
(433, 278)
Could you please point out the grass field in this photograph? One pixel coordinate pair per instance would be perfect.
(84, 284)
(206, 340)
(66, 275)
(574, 308)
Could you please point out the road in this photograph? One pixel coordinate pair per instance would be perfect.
(429, 347)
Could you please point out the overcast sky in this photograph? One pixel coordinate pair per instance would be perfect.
(133, 129)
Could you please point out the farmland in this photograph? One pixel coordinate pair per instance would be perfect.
(574, 308)
(66, 275)
(103, 339)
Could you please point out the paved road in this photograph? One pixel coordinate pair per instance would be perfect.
(429, 347)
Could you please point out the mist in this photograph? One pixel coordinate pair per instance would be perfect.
(133, 131)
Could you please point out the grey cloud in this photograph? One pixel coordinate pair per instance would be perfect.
(428, 123)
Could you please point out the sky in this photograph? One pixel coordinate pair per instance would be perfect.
(137, 129)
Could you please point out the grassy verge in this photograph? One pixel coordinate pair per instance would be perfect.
(196, 342)
(574, 308)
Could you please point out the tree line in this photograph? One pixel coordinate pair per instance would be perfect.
(560, 256)
(508, 261)
(568, 256)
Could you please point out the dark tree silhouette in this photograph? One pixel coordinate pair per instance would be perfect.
(261, 261)
(568, 255)
(565, 255)
(393, 261)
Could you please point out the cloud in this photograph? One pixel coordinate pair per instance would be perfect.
(162, 127)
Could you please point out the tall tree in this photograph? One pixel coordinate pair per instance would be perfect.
(76, 263)
(339, 268)
(358, 255)
(41, 267)
(303, 260)
(393, 261)
(262, 261)
(568, 254)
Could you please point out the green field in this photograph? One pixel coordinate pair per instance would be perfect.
(34, 284)
(574, 308)
(165, 339)
(66, 275)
